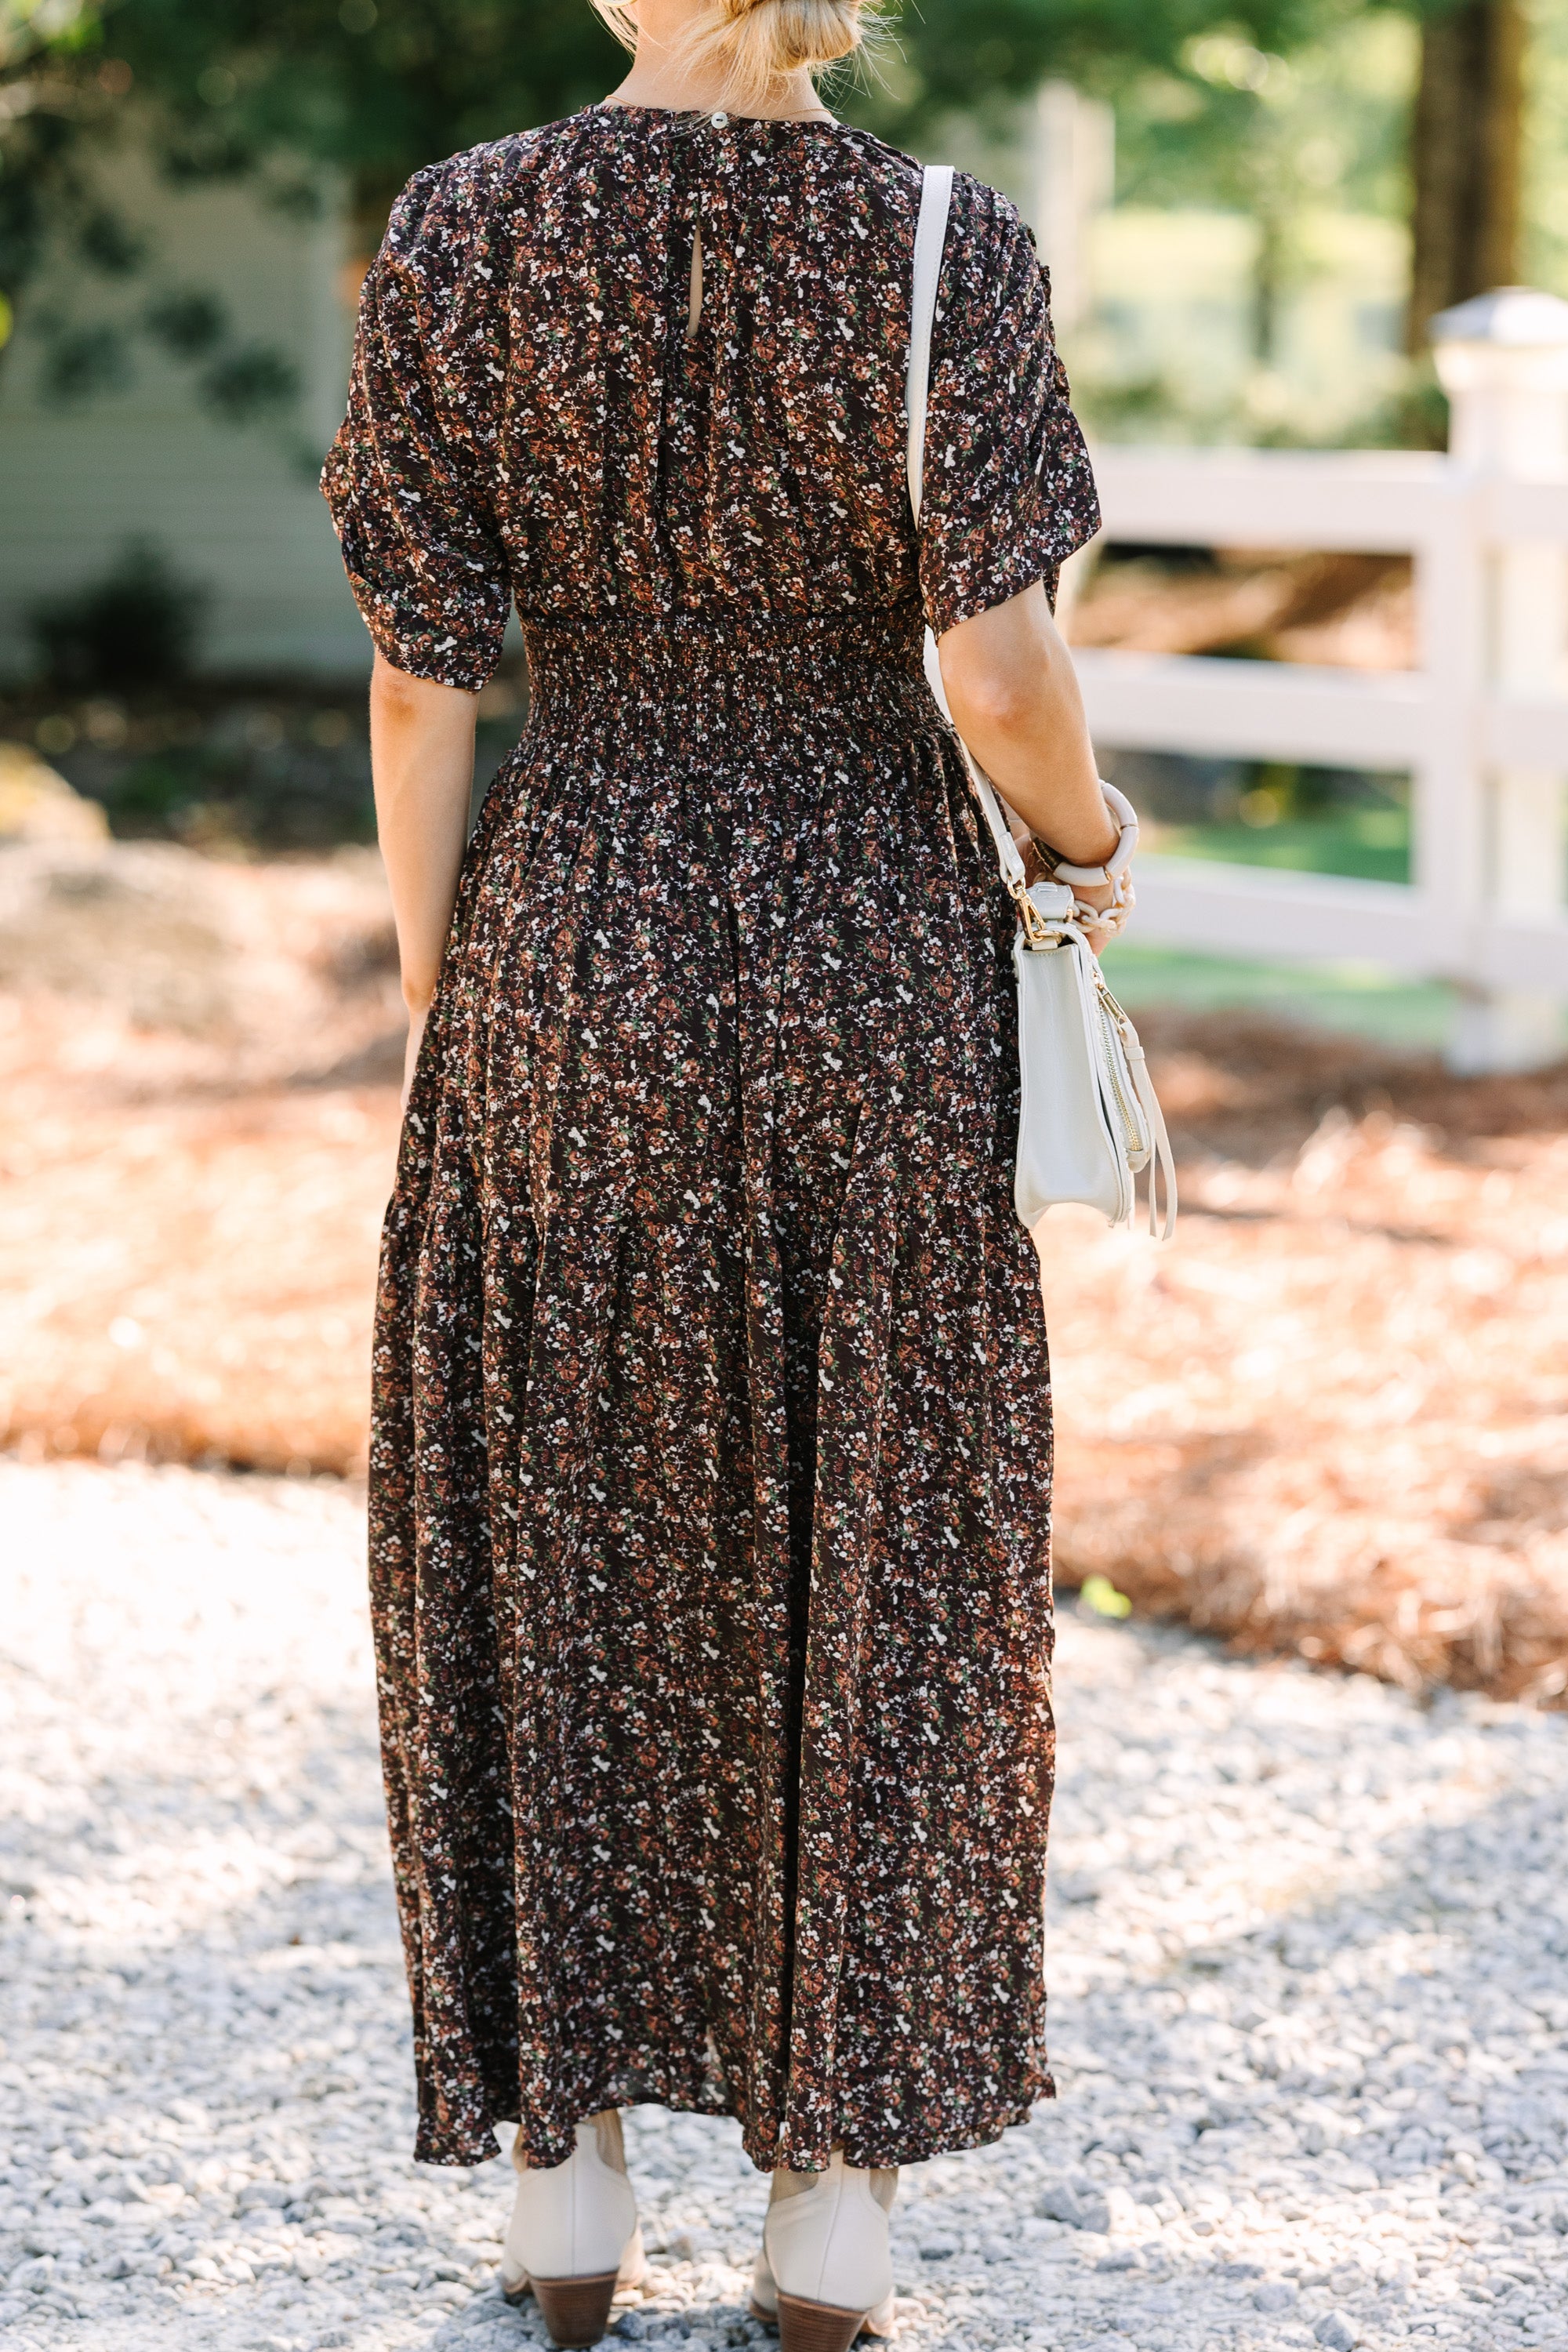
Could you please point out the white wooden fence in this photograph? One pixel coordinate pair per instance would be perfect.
(1482, 725)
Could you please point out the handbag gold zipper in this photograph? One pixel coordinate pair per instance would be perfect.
(1129, 1110)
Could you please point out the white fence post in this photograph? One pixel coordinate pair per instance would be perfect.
(1072, 161)
(1503, 361)
(1481, 725)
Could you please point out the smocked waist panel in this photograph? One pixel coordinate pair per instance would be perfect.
(745, 657)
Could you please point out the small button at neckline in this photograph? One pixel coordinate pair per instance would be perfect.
(720, 121)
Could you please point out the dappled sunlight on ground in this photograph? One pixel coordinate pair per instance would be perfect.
(1305, 1960)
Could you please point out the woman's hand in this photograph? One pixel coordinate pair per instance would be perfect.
(417, 1016)
(1088, 893)
(1095, 893)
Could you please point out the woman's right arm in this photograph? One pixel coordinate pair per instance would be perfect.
(1016, 702)
(422, 764)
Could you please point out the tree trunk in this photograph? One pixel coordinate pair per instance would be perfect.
(1464, 154)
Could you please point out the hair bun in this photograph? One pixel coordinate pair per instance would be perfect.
(753, 45)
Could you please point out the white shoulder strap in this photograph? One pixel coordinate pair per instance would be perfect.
(930, 238)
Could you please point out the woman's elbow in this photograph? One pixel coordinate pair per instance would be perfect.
(399, 695)
(1000, 675)
(991, 698)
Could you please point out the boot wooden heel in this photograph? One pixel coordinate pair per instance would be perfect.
(576, 2311)
(816, 2326)
(826, 2231)
(573, 2236)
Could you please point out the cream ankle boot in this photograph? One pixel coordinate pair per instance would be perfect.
(573, 2238)
(825, 2274)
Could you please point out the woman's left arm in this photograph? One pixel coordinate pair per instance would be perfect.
(422, 764)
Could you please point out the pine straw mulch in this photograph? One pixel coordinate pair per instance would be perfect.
(1330, 1418)
(197, 1134)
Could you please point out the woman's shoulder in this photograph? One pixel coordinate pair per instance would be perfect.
(454, 231)
(988, 223)
(992, 266)
(475, 182)
(988, 240)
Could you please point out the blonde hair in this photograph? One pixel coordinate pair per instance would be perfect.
(753, 45)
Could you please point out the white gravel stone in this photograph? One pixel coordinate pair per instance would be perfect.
(1308, 1968)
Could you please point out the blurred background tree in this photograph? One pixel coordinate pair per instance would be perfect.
(1466, 155)
(1269, 135)
(1253, 106)
(955, 54)
(277, 89)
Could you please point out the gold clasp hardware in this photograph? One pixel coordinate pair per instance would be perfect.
(1036, 931)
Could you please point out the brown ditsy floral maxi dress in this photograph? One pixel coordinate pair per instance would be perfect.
(711, 1449)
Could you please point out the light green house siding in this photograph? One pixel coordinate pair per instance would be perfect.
(235, 509)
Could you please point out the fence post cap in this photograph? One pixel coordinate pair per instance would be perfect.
(1509, 345)
(1520, 318)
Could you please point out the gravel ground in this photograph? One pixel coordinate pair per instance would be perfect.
(1308, 1962)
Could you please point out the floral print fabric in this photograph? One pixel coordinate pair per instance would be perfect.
(710, 1461)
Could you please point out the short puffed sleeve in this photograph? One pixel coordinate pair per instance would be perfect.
(408, 477)
(1009, 492)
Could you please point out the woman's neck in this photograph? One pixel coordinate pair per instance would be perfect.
(659, 76)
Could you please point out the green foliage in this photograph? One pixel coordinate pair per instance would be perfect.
(249, 384)
(375, 87)
(150, 791)
(1098, 1595)
(188, 323)
(287, 94)
(958, 53)
(107, 244)
(278, 92)
(1373, 844)
(1546, 149)
(136, 626)
(1296, 147)
(1287, 814)
(1240, 127)
(84, 363)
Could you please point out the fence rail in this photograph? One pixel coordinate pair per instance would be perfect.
(1481, 725)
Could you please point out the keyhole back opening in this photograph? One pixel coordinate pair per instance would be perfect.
(694, 296)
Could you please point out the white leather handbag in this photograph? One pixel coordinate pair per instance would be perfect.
(1089, 1121)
